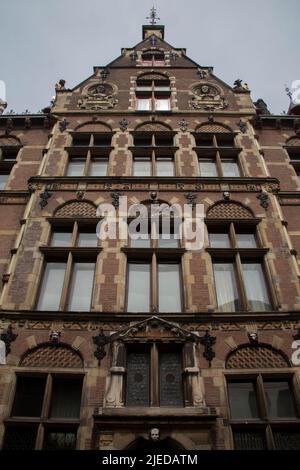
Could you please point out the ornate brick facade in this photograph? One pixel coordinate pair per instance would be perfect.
(209, 121)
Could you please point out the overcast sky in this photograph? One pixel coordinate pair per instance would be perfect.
(42, 41)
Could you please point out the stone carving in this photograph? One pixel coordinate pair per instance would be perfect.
(207, 97)
(124, 123)
(208, 341)
(44, 196)
(239, 85)
(100, 341)
(183, 125)
(99, 96)
(264, 199)
(8, 337)
(154, 434)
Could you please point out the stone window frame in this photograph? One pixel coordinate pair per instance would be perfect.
(238, 256)
(44, 422)
(193, 386)
(154, 150)
(263, 425)
(153, 92)
(6, 164)
(69, 254)
(88, 150)
(218, 153)
(154, 256)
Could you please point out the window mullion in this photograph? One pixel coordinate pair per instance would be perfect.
(270, 438)
(154, 284)
(39, 437)
(74, 237)
(87, 163)
(232, 236)
(153, 164)
(241, 283)
(64, 296)
(154, 374)
(219, 164)
(262, 402)
(47, 397)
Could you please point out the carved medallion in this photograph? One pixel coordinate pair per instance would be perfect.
(207, 97)
(99, 96)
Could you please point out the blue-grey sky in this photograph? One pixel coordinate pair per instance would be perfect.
(42, 41)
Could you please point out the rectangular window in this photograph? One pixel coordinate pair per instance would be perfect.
(61, 238)
(29, 396)
(154, 376)
(164, 166)
(139, 281)
(230, 168)
(169, 286)
(81, 286)
(66, 398)
(52, 286)
(20, 438)
(246, 240)
(226, 287)
(162, 104)
(138, 379)
(3, 180)
(87, 239)
(219, 240)
(170, 382)
(59, 439)
(279, 400)
(207, 167)
(76, 167)
(142, 166)
(242, 398)
(255, 284)
(98, 167)
(263, 413)
(143, 104)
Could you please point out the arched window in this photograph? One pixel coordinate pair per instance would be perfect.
(153, 93)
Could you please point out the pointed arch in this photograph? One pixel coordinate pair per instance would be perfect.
(74, 208)
(52, 355)
(229, 210)
(257, 356)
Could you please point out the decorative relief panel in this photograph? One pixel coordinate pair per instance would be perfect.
(229, 210)
(207, 97)
(98, 96)
(52, 356)
(76, 209)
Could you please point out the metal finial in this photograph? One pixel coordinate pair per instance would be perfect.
(153, 16)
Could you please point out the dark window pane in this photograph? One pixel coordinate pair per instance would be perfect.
(138, 369)
(19, 438)
(29, 396)
(83, 139)
(103, 140)
(164, 140)
(249, 440)
(143, 140)
(279, 400)
(170, 379)
(242, 400)
(66, 398)
(286, 440)
(58, 440)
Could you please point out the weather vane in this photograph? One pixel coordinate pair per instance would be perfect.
(153, 16)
